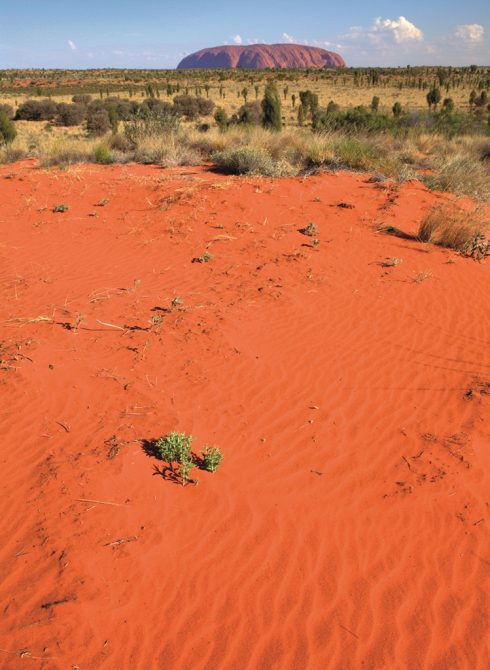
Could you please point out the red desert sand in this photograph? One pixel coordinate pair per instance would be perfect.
(349, 392)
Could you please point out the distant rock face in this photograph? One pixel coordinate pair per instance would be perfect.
(261, 56)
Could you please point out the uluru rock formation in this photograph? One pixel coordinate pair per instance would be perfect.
(261, 56)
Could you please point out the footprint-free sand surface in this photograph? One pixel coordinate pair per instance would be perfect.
(348, 525)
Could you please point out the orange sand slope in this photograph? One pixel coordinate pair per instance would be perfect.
(348, 524)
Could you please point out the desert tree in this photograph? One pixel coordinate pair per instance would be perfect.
(397, 109)
(221, 118)
(433, 97)
(271, 108)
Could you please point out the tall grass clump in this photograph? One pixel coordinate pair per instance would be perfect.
(245, 160)
(456, 227)
(461, 174)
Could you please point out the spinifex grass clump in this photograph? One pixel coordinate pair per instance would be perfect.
(211, 458)
(457, 228)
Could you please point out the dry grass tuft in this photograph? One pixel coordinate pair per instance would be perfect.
(457, 227)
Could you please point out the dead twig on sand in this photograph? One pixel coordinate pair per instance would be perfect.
(99, 502)
(25, 653)
(123, 540)
(111, 325)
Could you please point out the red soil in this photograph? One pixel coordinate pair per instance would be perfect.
(348, 524)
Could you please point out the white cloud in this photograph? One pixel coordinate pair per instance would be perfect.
(386, 31)
(237, 39)
(72, 45)
(471, 32)
(288, 38)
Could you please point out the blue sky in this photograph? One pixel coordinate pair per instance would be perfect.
(152, 34)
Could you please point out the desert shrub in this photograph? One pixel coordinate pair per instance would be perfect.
(271, 108)
(120, 143)
(98, 122)
(9, 154)
(397, 110)
(357, 119)
(156, 106)
(103, 154)
(8, 132)
(113, 120)
(375, 103)
(221, 118)
(309, 102)
(167, 150)
(355, 154)
(151, 124)
(71, 115)
(206, 106)
(455, 227)
(250, 114)
(125, 109)
(192, 107)
(245, 160)
(448, 105)
(433, 97)
(37, 110)
(8, 111)
(211, 458)
(82, 99)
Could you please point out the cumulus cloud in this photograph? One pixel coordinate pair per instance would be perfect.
(383, 31)
(237, 39)
(470, 32)
(72, 45)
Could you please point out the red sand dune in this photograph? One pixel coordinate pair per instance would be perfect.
(261, 56)
(348, 525)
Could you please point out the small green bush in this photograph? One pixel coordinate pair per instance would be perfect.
(60, 209)
(8, 132)
(175, 447)
(103, 154)
(211, 458)
(245, 160)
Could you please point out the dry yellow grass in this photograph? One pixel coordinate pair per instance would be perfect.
(456, 227)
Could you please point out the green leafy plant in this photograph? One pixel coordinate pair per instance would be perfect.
(60, 209)
(103, 154)
(211, 458)
(310, 230)
(205, 258)
(175, 447)
(184, 470)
